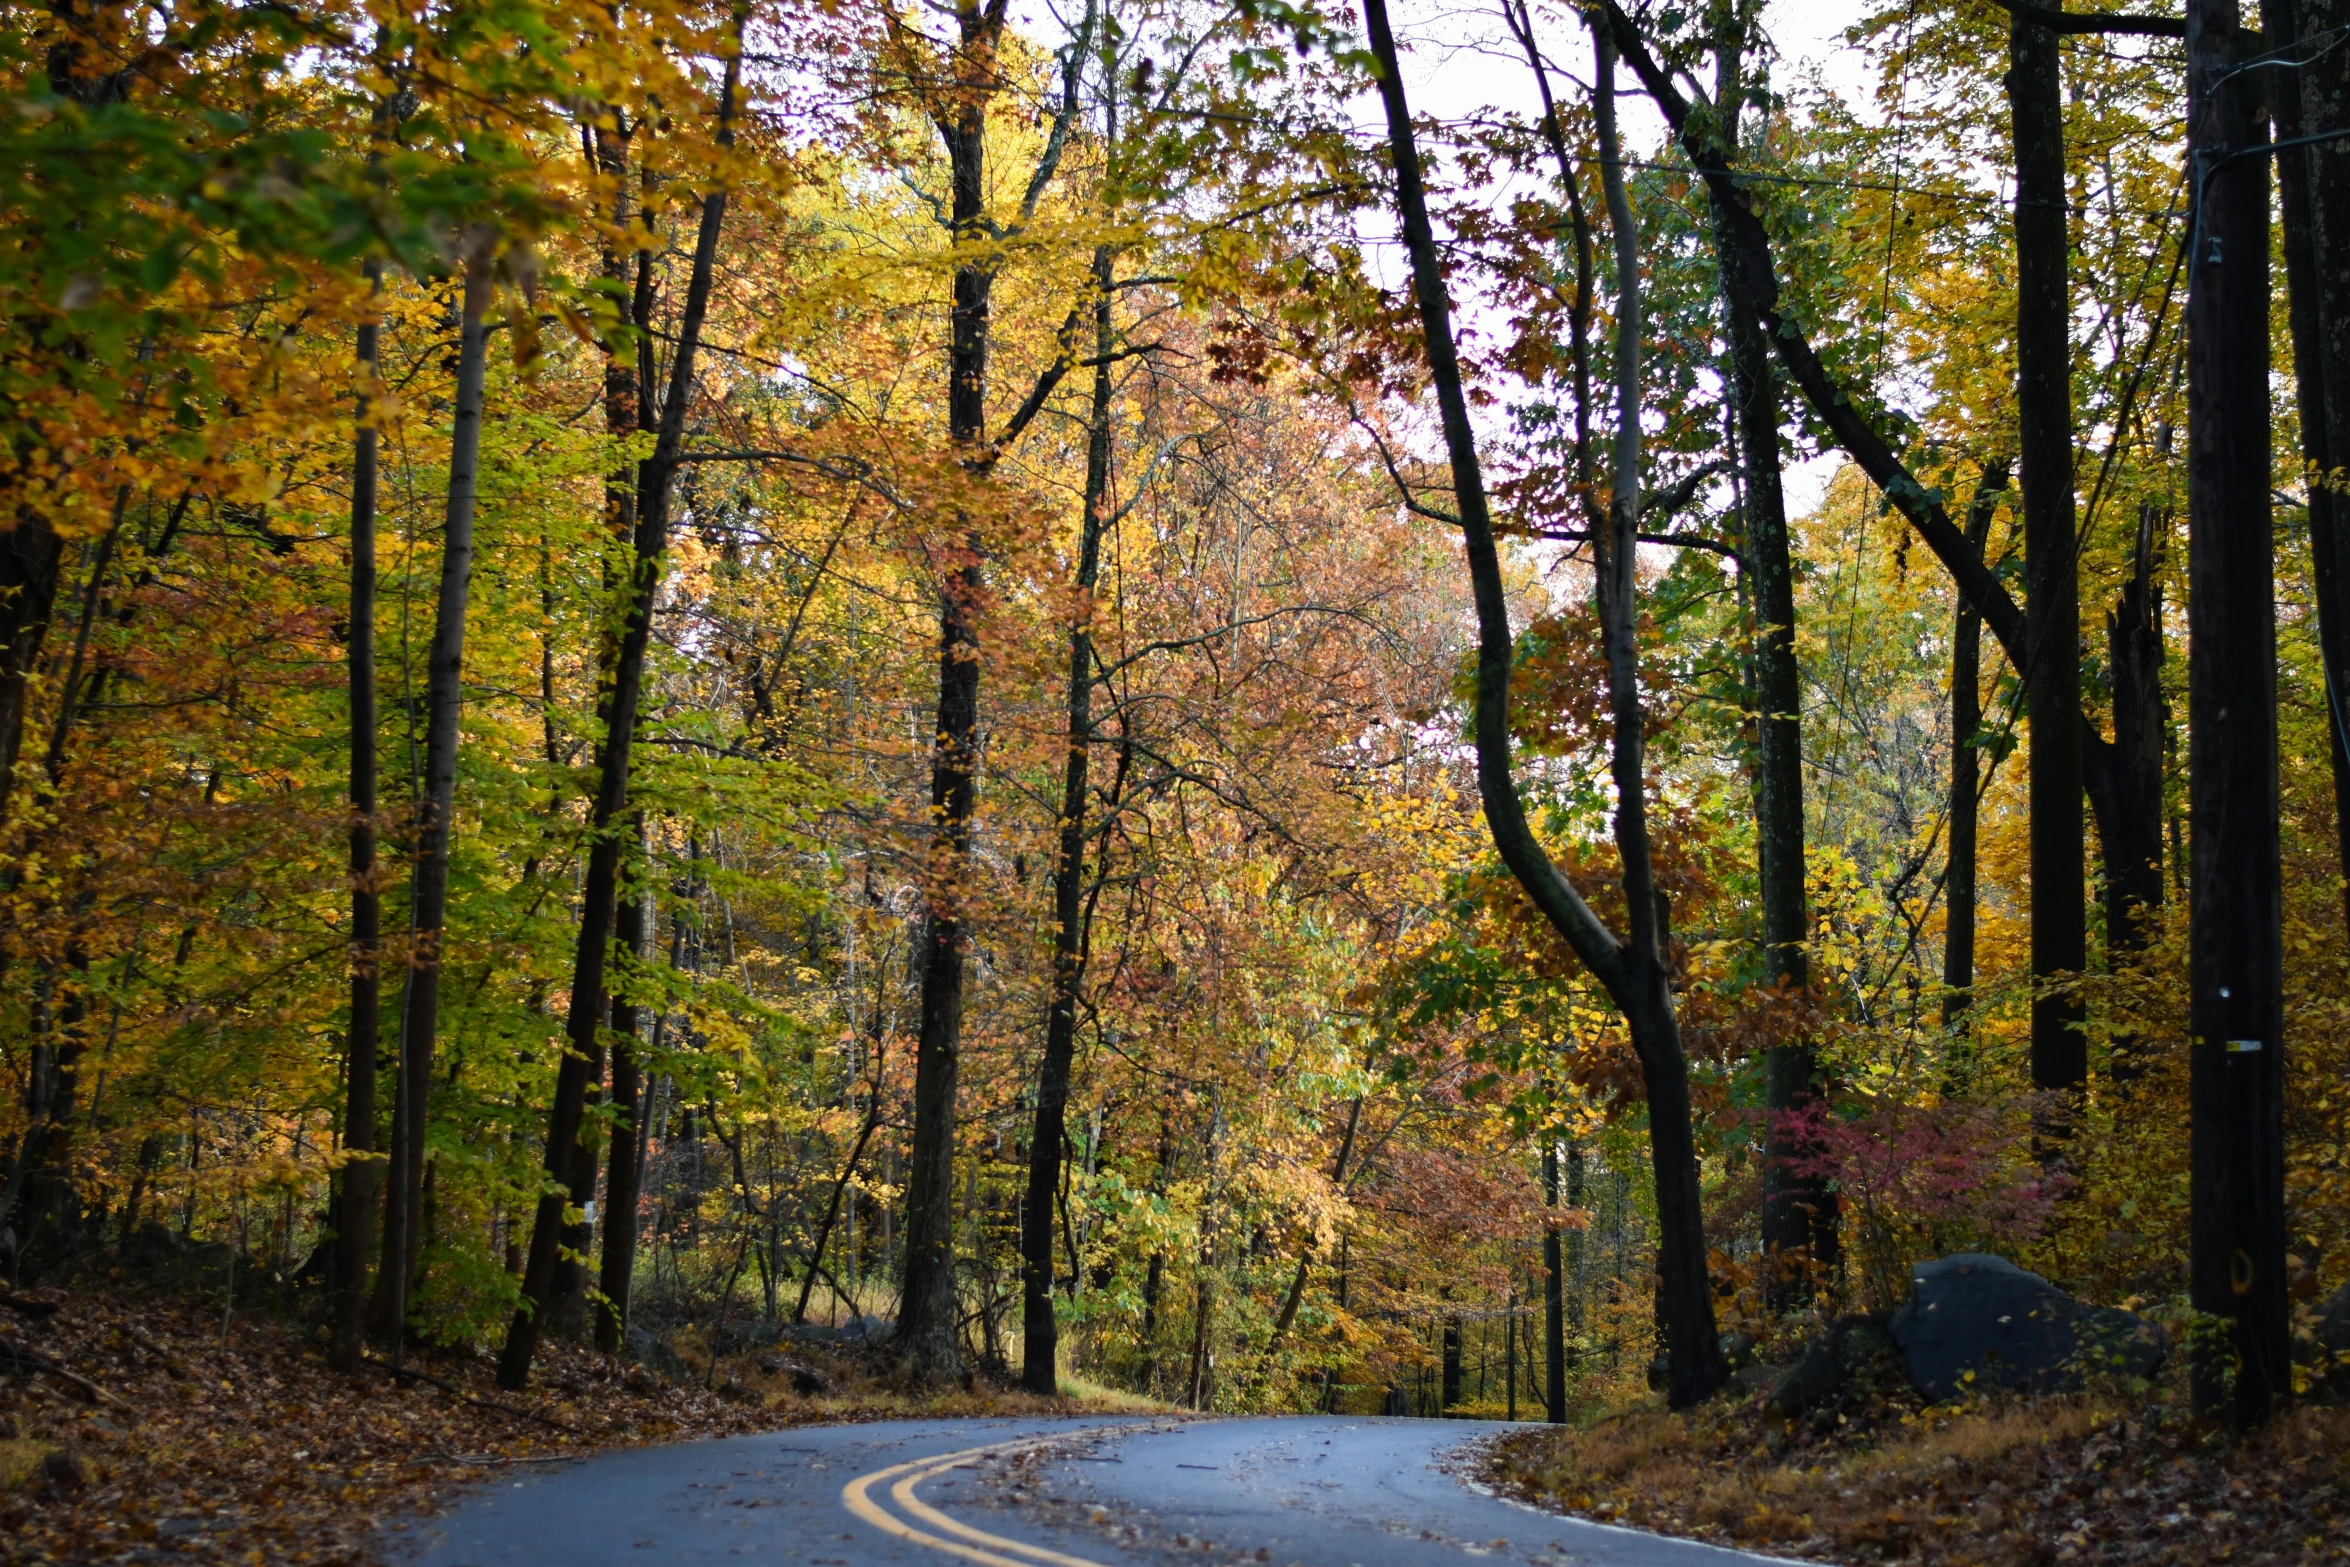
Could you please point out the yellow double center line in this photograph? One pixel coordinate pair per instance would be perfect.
(955, 1538)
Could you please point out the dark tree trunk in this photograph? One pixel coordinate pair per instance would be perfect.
(30, 557)
(355, 1202)
(628, 408)
(429, 882)
(1799, 1216)
(625, 1163)
(1039, 1329)
(1632, 969)
(1449, 1393)
(1554, 1296)
(2052, 596)
(929, 1336)
(1510, 1356)
(2236, 1075)
(600, 886)
(2133, 819)
(567, 1303)
(2313, 190)
(1966, 788)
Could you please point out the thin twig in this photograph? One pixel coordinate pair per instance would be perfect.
(24, 1359)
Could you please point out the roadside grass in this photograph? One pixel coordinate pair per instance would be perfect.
(2091, 1478)
(1094, 1398)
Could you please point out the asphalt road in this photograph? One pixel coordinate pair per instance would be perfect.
(1289, 1492)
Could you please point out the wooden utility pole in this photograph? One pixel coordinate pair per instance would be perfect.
(2237, 1260)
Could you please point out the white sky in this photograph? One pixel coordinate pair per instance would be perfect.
(1459, 61)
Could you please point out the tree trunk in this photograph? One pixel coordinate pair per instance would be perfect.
(1966, 723)
(2313, 190)
(1449, 1393)
(1039, 1329)
(929, 1339)
(567, 1292)
(429, 881)
(625, 1164)
(2052, 607)
(2133, 835)
(1633, 970)
(1509, 1351)
(30, 557)
(1799, 1216)
(600, 886)
(1554, 1296)
(2236, 1073)
(355, 1205)
(1684, 1293)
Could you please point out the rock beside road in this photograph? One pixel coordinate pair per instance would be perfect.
(1975, 1323)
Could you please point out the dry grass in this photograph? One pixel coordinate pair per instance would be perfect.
(2014, 1485)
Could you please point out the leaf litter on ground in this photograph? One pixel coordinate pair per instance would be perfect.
(2016, 1483)
(139, 1427)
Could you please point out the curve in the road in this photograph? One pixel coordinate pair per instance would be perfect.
(975, 1545)
(1284, 1492)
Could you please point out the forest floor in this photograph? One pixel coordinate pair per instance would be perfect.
(137, 1426)
(2079, 1479)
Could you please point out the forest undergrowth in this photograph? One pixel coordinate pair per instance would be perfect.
(2094, 1477)
(145, 1423)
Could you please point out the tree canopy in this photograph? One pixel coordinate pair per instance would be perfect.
(1146, 690)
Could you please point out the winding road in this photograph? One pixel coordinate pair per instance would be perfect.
(1140, 1492)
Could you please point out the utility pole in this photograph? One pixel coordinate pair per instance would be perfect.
(2236, 1072)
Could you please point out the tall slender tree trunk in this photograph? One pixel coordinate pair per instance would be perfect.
(1449, 1390)
(429, 880)
(2313, 190)
(2052, 607)
(2132, 837)
(607, 845)
(355, 1205)
(1685, 1308)
(2236, 1258)
(1799, 1216)
(1039, 1330)
(929, 1333)
(1554, 1295)
(625, 1163)
(627, 408)
(1634, 969)
(31, 556)
(1966, 786)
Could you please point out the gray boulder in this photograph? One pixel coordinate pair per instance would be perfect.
(1975, 1323)
(857, 1330)
(655, 1354)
